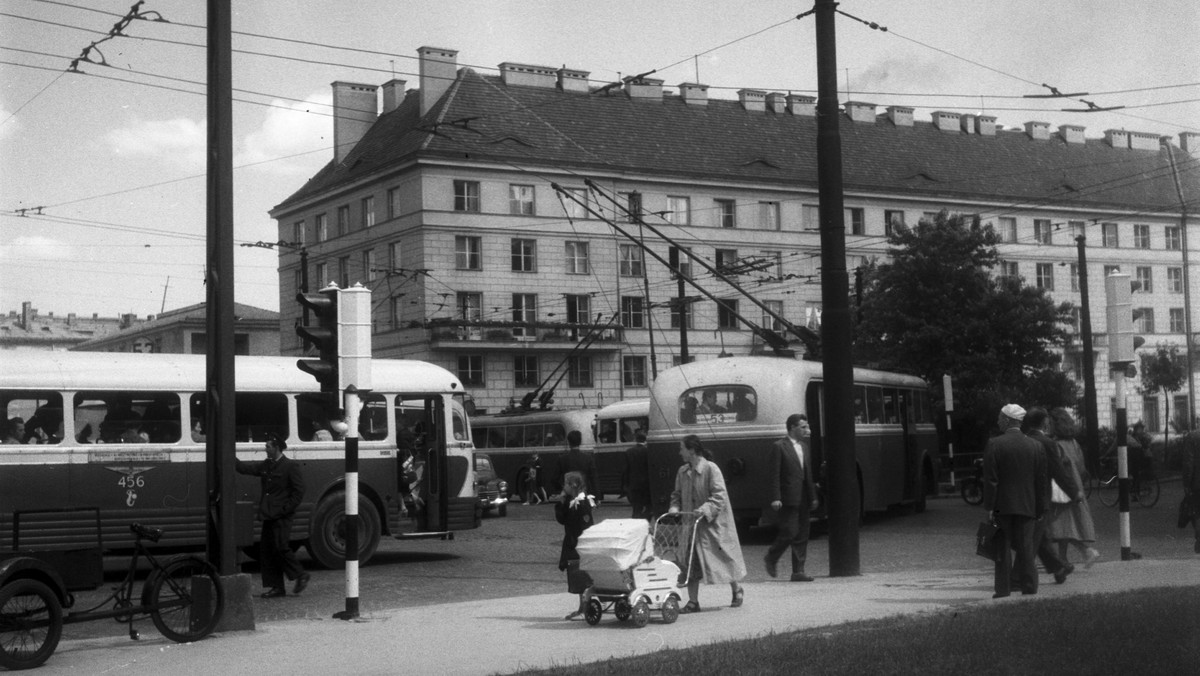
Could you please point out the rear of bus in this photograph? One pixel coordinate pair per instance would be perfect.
(512, 440)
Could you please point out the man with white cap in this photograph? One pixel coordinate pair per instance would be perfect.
(1014, 467)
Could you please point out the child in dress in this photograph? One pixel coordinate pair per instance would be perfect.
(574, 511)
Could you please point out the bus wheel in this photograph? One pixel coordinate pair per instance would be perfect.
(327, 537)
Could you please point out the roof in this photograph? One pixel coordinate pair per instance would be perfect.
(481, 118)
(191, 314)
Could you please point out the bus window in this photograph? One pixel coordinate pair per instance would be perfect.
(556, 434)
(32, 418)
(718, 405)
(495, 437)
(514, 436)
(924, 412)
(860, 404)
(372, 419)
(127, 417)
(459, 417)
(532, 434)
(315, 415)
(874, 405)
(256, 414)
(891, 406)
(606, 432)
(631, 426)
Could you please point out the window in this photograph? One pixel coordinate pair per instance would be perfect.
(468, 306)
(768, 321)
(579, 371)
(395, 312)
(520, 200)
(633, 371)
(631, 260)
(468, 252)
(579, 311)
(1111, 269)
(1143, 320)
(470, 369)
(1143, 276)
(575, 208)
(1141, 236)
(892, 219)
(768, 215)
(577, 258)
(368, 211)
(343, 219)
(810, 214)
(524, 309)
(1173, 239)
(726, 211)
(368, 262)
(726, 261)
(1009, 269)
(322, 227)
(774, 260)
(524, 255)
(1077, 228)
(322, 276)
(676, 304)
(525, 371)
(393, 203)
(1175, 280)
(854, 220)
(1074, 268)
(344, 272)
(298, 233)
(632, 208)
(1042, 230)
(1150, 414)
(1109, 235)
(727, 314)
(1007, 229)
(1045, 276)
(632, 312)
(1175, 320)
(112, 417)
(298, 281)
(679, 210)
(679, 261)
(42, 413)
(466, 196)
(394, 257)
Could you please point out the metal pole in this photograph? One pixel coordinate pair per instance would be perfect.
(351, 404)
(1187, 292)
(836, 328)
(683, 313)
(1122, 464)
(1091, 447)
(948, 396)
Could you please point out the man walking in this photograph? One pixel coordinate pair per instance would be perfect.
(1014, 471)
(1191, 481)
(792, 493)
(1035, 428)
(637, 477)
(575, 460)
(282, 492)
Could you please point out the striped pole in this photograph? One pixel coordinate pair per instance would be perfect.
(1122, 465)
(352, 519)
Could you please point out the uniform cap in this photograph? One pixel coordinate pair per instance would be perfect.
(1013, 411)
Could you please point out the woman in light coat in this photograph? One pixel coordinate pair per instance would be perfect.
(717, 556)
(1071, 523)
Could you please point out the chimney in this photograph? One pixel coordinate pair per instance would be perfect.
(127, 320)
(1190, 142)
(945, 120)
(1117, 138)
(1072, 133)
(1140, 140)
(799, 104)
(966, 123)
(70, 319)
(777, 103)
(1038, 131)
(860, 112)
(646, 89)
(901, 116)
(393, 95)
(573, 80)
(530, 76)
(353, 114)
(753, 100)
(694, 94)
(985, 125)
(438, 69)
(27, 315)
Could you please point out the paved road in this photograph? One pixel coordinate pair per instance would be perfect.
(516, 556)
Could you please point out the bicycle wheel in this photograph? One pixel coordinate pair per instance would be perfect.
(31, 624)
(171, 602)
(1148, 491)
(1109, 489)
(972, 491)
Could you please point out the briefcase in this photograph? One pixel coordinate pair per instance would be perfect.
(987, 540)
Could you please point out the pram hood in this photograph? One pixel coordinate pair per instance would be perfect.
(615, 544)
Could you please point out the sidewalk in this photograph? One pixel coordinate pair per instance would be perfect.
(505, 635)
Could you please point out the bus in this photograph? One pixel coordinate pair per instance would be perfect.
(124, 441)
(738, 406)
(511, 439)
(616, 426)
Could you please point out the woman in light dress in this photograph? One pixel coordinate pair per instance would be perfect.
(1071, 523)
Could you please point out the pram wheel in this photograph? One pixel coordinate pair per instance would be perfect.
(670, 610)
(593, 612)
(641, 613)
(622, 610)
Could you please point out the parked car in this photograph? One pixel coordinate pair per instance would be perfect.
(491, 490)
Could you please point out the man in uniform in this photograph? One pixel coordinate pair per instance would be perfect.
(282, 492)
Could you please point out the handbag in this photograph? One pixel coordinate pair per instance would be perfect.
(987, 540)
(1057, 495)
(1186, 511)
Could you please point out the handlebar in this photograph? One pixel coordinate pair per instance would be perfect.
(145, 532)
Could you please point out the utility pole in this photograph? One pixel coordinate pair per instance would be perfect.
(836, 329)
(1187, 291)
(1091, 450)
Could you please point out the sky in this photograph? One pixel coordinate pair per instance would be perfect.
(114, 155)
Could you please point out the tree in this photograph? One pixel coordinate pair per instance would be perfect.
(1163, 372)
(935, 308)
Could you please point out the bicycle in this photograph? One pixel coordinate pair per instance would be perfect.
(1144, 487)
(32, 599)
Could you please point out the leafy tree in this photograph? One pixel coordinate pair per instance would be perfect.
(1164, 372)
(935, 307)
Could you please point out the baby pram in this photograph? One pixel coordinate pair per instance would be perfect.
(635, 572)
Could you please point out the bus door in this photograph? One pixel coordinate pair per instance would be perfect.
(421, 458)
(912, 460)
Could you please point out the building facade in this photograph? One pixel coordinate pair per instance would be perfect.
(491, 217)
(30, 330)
(184, 331)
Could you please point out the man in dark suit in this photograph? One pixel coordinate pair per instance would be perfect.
(1014, 471)
(282, 492)
(792, 493)
(575, 460)
(637, 478)
(1035, 428)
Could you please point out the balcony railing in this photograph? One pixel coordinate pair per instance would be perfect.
(476, 334)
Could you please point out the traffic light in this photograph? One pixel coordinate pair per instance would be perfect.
(354, 338)
(1122, 343)
(323, 306)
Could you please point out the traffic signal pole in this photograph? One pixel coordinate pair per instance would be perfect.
(352, 404)
(1123, 464)
(1122, 350)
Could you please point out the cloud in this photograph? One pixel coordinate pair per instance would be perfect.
(289, 135)
(180, 142)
